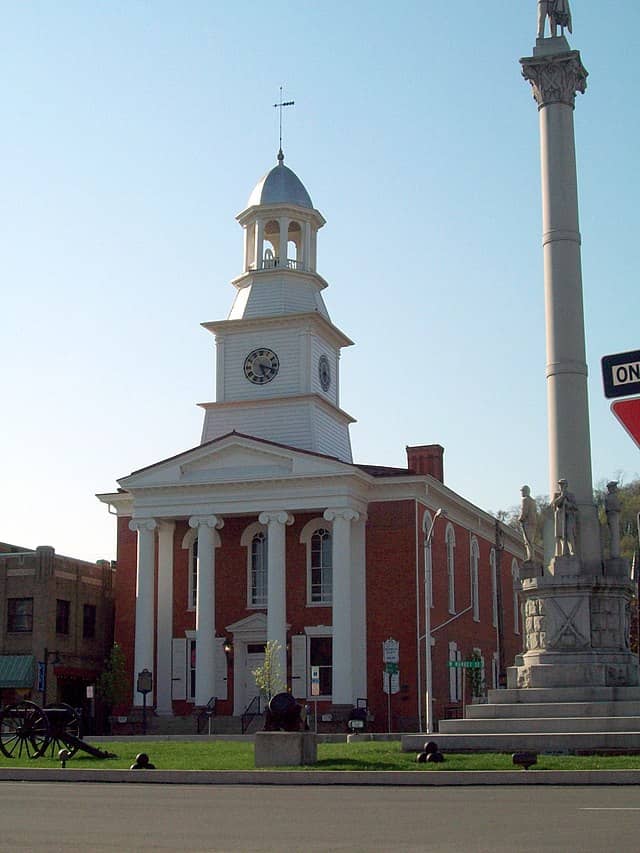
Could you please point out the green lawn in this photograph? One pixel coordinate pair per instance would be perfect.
(383, 755)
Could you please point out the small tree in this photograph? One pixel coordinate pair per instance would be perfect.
(113, 684)
(269, 677)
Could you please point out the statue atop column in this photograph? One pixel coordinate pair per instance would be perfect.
(612, 510)
(528, 521)
(565, 519)
(559, 15)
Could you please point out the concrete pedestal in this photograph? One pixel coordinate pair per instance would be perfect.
(285, 749)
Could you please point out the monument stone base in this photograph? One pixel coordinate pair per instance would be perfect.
(285, 749)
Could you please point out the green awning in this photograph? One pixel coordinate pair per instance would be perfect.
(16, 671)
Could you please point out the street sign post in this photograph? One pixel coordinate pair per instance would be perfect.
(621, 374)
(628, 413)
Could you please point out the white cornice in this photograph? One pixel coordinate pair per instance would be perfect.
(220, 328)
(272, 211)
(315, 399)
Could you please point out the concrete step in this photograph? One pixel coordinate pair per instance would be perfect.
(187, 725)
(565, 742)
(530, 725)
(553, 709)
(564, 694)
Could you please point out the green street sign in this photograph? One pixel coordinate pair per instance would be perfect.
(464, 664)
(391, 668)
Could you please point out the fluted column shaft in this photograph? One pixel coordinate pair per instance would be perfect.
(165, 617)
(205, 607)
(342, 688)
(276, 581)
(145, 590)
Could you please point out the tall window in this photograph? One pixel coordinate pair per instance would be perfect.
(494, 587)
(63, 609)
(88, 621)
(321, 657)
(515, 578)
(193, 574)
(258, 596)
(426, 525)
(451, 567)
(20, 614)
(321, 567)
(473, 579)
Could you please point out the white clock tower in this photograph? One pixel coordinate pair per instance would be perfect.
(278, 353)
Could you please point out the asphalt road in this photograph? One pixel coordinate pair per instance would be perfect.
(131, 817)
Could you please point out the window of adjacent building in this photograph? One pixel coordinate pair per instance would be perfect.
(259, 571)
(88, 621)
(19, 614)
(494, 587)
(473, 579)
(450, 539)
(426, 525)
(193, 574)
(63, 609)
(321, 656)
(515, 578)
(321, 567)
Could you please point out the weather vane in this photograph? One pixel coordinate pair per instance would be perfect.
(279, 106)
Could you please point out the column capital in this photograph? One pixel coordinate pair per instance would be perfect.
(213, 521)
(140, 524)
(277, 517)
(555, 79)
(344, 513)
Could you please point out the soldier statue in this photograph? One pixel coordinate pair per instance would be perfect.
(559, 15)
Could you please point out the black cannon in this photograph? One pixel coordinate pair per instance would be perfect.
(27, 729)
(284, 714)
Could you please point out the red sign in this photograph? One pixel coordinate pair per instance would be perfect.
(628, 413)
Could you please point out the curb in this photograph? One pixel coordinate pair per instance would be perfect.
(395, 778)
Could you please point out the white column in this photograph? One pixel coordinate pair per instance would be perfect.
(165, 617)
(359, 607)
(276, 580)
(284, 239)
(143, 655)
(205, 606)
(306, 246)
(259, 243)
(342, 689)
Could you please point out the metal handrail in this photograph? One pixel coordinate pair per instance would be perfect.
(250, 712)
(207, 713)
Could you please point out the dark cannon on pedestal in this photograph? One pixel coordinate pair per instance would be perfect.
(284, 714)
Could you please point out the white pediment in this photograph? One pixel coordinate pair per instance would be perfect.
(232, 459)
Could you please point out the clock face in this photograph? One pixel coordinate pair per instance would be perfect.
(324, 372)
(261, 366)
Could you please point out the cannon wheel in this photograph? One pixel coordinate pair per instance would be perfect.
(24, 730)
(70, 727)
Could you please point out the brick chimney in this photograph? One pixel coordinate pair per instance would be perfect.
(427, 459)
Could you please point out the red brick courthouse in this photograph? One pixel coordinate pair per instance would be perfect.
(267, 530)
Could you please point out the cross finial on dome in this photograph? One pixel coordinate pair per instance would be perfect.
(279, 106)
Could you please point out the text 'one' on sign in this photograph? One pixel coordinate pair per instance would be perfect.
(621, 374)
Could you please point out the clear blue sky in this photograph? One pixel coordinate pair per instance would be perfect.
(133, 133)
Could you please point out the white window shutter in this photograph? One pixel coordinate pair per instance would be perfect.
(221, 669)
(179, 668)
(299, 666)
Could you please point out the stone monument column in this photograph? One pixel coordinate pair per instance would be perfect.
(556, 74)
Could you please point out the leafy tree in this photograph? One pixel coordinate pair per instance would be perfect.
(269, 677)
(113, 684)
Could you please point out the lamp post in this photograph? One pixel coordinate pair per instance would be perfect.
(428, 711)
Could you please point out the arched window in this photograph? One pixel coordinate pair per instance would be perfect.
(494, 587)
(450, 539)
(190, 541)
(271, 249)
(317, 536)
(428, 564)
(474, 560)
(254, 539)
(515, 577)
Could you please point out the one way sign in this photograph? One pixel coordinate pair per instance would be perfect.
(621, 374)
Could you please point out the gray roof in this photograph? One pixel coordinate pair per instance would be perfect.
(280, 186)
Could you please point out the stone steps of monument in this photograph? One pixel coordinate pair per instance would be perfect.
(187, 725)
(551, 742)
(563, 694)
(539, 710)
(533, 725)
